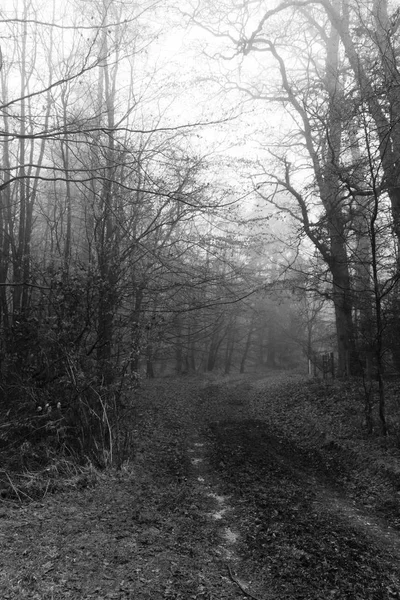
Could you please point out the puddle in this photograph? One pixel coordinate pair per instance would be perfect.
(219, 499)
(230, 536)
(221, 506)
(218, 514)
(228, 554)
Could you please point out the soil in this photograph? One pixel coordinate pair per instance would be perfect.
(236, 488)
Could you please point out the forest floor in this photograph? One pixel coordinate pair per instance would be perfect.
(262, 488)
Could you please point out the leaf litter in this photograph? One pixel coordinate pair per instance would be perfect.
(308, 515)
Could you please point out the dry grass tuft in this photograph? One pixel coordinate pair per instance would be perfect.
(60, 476)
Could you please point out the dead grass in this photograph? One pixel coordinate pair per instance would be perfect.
(60, 476)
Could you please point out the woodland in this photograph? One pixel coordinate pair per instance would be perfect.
(192, 188)
(199, 299)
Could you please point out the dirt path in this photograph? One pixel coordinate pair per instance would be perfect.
(218, 504)
(298, 534)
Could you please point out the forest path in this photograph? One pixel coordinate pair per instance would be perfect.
(300, 533)
(222, 501)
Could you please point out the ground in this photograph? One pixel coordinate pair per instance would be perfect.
(237, 487)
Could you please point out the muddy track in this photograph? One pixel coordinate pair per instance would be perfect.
(219, 503)
(296, 534)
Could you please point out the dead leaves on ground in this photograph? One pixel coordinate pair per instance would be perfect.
(144, 533)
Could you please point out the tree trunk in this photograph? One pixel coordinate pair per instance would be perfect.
(230, 345)
(178, 347)
(107, 228)
(6, 219)
(343, 304)
(20, 258)
(387, 121)
(247, 345)
(272, 342)
(149, 362)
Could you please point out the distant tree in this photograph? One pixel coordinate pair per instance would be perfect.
(332, 67)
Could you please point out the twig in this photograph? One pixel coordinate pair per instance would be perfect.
(249, 594)
(45, 491)
(18, 491)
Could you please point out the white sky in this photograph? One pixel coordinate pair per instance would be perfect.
(178, 85)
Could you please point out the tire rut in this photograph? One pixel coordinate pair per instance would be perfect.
(298, 530)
